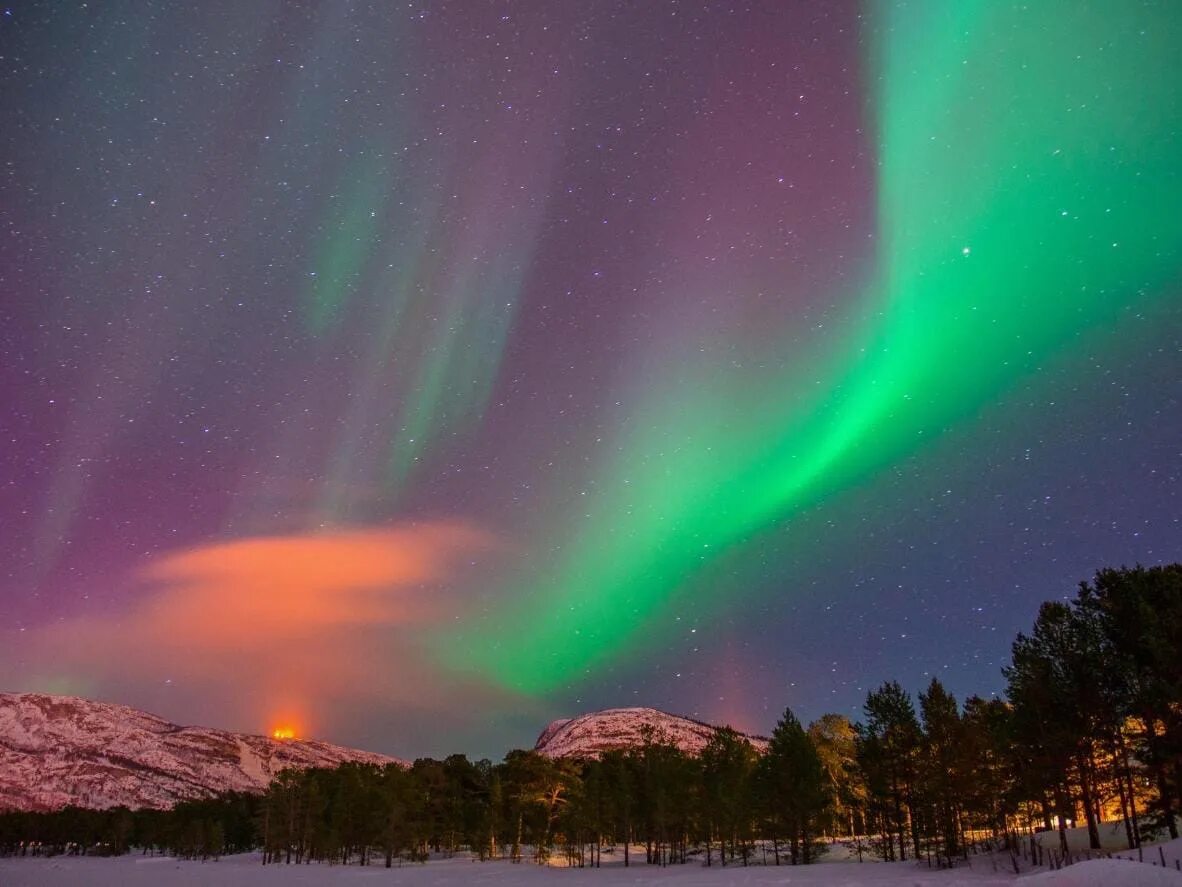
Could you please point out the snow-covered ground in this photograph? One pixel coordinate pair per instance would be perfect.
(245, 871)
(1104, 873)
(136, 871)
(1113, 838)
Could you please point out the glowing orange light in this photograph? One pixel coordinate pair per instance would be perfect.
(283, 733)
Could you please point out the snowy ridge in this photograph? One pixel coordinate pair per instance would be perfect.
(590, 735)
(61, 750)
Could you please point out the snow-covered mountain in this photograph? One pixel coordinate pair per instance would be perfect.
(590, 735)
(60, 750)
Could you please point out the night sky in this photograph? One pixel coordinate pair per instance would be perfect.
(417, 373)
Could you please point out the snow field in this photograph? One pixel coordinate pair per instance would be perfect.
(246, 871)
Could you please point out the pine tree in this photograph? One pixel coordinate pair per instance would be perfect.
(835, 739)
(620, 775)
(943, 771)
(987, 751)
(888, 748)
(1057, 685)
(728, 766)
(1141, 610)
(795, 787)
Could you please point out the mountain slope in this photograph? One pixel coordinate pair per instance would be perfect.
(590, 735)
(60, 750)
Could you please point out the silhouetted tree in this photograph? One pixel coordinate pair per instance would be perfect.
(888, 745)
(728, 768)
(795, 788)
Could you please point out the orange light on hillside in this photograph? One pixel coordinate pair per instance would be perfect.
(283, 733)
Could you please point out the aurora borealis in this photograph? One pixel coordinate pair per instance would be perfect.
(398, 369)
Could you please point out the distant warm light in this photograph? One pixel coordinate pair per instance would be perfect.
(283, 733)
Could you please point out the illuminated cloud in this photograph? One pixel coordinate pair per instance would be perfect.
(285, 587)
(308, 628)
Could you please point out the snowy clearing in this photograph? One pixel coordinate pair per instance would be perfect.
(1104, 873)
(1112, 838)
(134, 871)
(139, 871)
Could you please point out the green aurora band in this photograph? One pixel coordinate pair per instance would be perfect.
(1028, 193)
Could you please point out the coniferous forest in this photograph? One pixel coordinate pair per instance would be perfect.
(1089, 731)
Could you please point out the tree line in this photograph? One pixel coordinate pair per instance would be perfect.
(1090, 730)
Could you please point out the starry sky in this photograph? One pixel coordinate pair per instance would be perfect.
(414, 374)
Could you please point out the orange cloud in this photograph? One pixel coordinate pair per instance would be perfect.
(328, 629)
(285, 587)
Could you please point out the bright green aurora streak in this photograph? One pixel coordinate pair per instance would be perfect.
(1028, 191)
